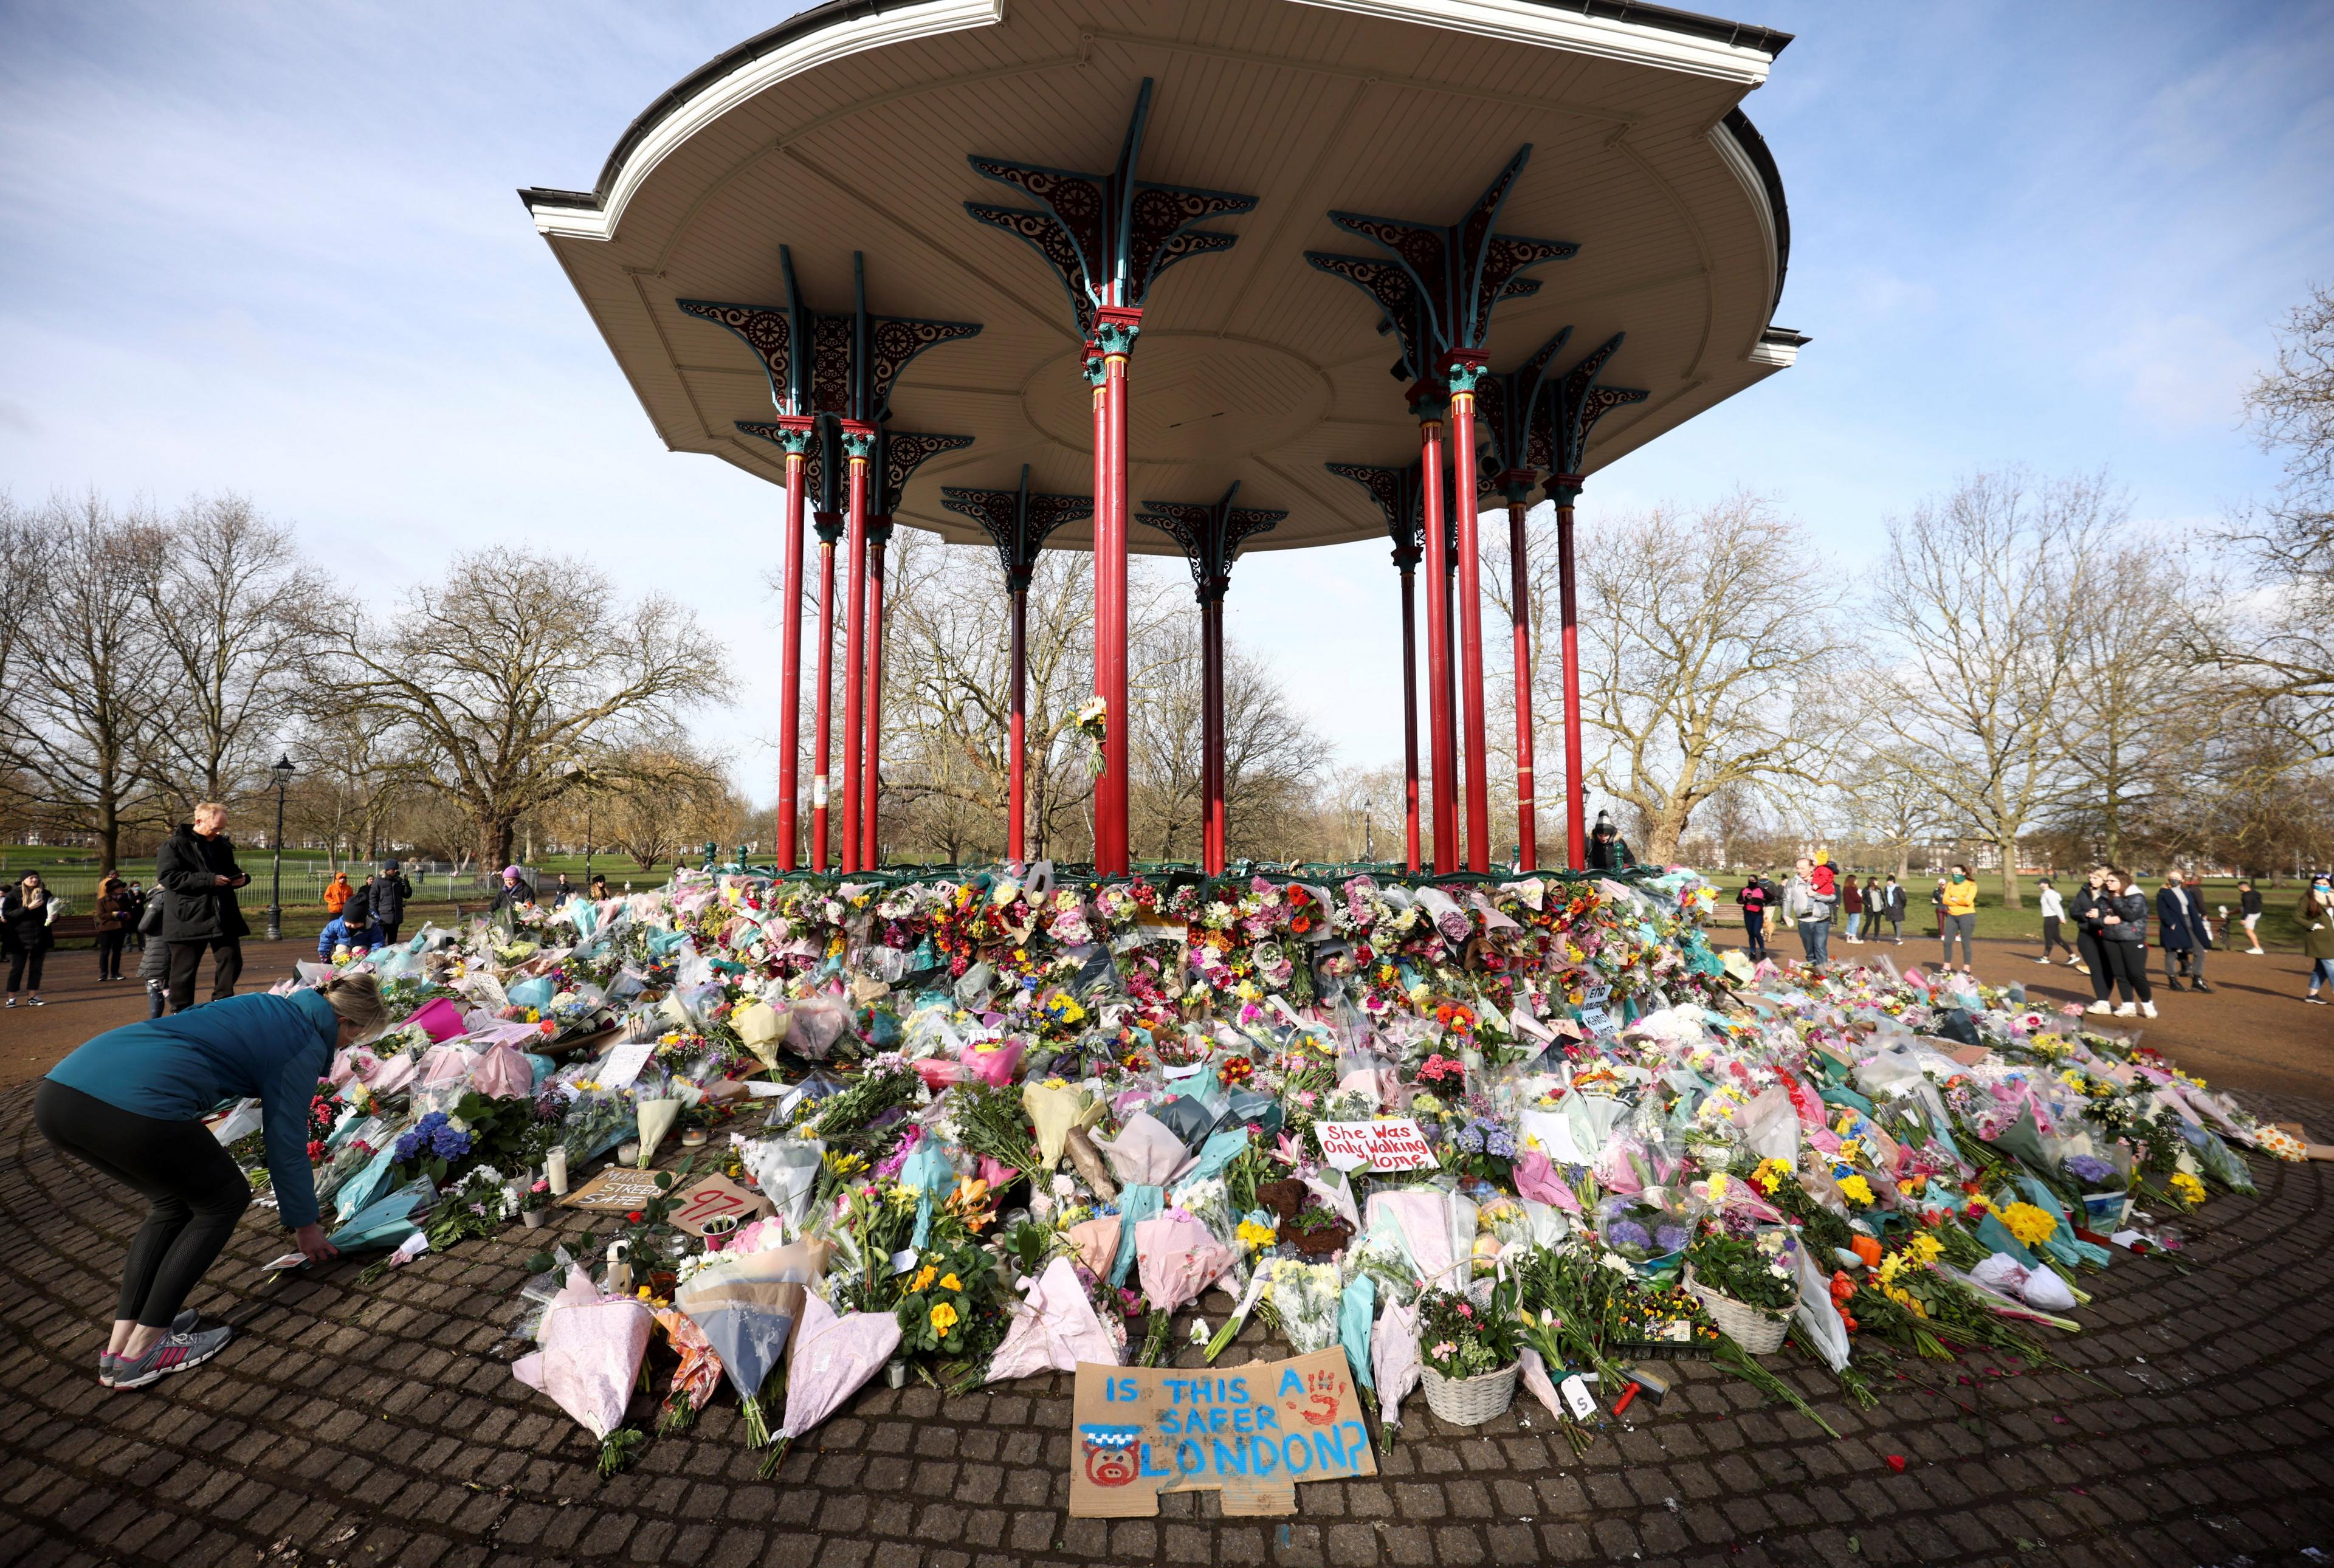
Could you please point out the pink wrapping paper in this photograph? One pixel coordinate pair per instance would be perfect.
(830, 1358)
(1096, 1241)
(1177, 1257)
(591, 1354)
(1055, 1328)
(1537, 1179)
(503, 1073)
(441, 1019)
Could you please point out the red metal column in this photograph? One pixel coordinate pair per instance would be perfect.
(1015, 841)
(1409, 726)
(790, 656)
(879, 538)
(1527, 825)
(1441, 735)
(857, 441)
(1576, 796)
(1470, 617)
(1211, 736)
(1101, 531)
(828, 525)
(1115, 330)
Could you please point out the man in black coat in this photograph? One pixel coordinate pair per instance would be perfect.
(196, 877)
(389, 891)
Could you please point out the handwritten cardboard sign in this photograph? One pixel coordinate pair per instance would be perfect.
(619, 1189)
(711, 1199)
(1394, 1144)
(1250, 1432)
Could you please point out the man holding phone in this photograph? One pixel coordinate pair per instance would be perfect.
(196, 877)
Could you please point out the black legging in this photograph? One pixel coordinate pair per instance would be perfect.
(197, 1192)
(2128, 963)
(109, 954)
(20, 961)
(2088, 946)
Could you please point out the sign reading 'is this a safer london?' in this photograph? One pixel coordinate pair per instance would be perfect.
(1249, 1432)
(1392, 1144)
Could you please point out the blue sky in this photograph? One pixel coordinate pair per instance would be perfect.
(274, 247)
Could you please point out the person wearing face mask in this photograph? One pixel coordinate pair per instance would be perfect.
(1957, 914)
(2315, 917)
(2121, 912)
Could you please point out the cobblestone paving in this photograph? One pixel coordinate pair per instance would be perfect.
(381, 1425)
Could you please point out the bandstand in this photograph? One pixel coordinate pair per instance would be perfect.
(1254, 274)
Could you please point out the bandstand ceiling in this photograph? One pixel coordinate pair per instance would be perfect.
(848, 129)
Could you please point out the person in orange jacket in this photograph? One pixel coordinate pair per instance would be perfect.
(336, 893)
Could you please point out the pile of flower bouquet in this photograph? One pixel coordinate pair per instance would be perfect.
(1005, 1123)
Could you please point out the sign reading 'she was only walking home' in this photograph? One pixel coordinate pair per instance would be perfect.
(1251, 1432)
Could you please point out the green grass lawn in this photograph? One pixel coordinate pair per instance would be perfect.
(2278, 927)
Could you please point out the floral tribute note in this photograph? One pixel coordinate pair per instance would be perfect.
(717, 1197)
(1393, 1144)
(619, 1189)
(1250, 1432)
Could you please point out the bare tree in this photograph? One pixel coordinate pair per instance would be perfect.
(2279, 641)
(87, 685)
(1891, 802)
(513, 667)
(354, 779)
(1710, 645)
(1988, 586)
(654, 800)
(227, 593)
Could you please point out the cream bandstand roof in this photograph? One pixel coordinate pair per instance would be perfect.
(848, 127)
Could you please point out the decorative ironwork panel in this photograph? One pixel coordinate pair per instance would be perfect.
(891, 342)
(905, 452)
(1053, 242)
(1017, 522)
(765, 329)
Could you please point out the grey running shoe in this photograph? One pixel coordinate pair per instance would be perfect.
(173, 1353)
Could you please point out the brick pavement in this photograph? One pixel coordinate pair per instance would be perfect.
(381, 1425)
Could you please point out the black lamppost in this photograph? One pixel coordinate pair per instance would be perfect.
(582, 779)
(283, 771)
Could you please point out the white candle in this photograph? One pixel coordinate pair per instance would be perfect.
(554, 1169)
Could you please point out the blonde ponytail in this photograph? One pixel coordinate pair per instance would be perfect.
(356, 997)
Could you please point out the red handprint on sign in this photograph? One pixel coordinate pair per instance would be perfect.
(1323, 1391)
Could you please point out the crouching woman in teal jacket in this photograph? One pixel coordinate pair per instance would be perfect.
(132, 1102)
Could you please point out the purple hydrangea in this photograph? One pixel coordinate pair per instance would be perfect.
(2088, 1168)
(1469, 1138)
(1500, 1142)
(1669, 1238)
(1624, 1233)
(435, 1135)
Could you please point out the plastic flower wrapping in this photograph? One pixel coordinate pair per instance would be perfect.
(1078, 1110)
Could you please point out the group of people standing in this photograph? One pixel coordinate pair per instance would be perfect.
(1817, 894)
(2111, 914)
(364, 916)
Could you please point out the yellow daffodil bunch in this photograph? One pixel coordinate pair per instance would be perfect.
(1857, 1190)
(2187, 1188)
(2030, 1223)
(1256, 1236)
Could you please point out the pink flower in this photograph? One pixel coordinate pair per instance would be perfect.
(1465, 1311)
(1445, 1350)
